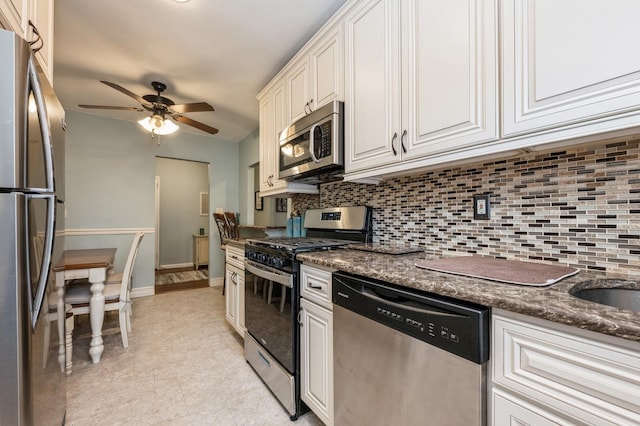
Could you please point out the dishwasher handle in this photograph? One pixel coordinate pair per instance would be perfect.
(407, 305)
(398, 302)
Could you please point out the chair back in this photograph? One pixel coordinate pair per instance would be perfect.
(232, 224)
(125, 285)
(223, 228)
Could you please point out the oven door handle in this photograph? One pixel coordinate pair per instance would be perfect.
(270, 274)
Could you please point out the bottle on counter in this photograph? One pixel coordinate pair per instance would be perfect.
(289, 227)
(297, 225)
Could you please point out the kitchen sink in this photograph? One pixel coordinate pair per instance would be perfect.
(617, 293)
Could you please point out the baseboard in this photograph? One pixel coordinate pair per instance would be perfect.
(216, 282)
(143, 291)
(177, 265)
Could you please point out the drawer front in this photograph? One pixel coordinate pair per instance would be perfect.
(558, 368)
(315, 285)
(235, 257)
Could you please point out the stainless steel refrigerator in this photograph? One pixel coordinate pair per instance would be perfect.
(31, 135)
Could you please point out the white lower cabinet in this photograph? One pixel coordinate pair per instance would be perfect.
(546, 373)
(316, 342)
(234, 290)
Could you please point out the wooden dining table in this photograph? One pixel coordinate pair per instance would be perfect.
(92, 264)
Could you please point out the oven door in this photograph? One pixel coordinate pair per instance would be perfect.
(269, 311)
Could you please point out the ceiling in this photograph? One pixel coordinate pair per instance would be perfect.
(218, 51)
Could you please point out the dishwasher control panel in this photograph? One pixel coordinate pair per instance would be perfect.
(458, 327)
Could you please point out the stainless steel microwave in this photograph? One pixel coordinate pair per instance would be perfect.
(312, 148)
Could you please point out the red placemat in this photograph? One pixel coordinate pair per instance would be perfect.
(506, 271)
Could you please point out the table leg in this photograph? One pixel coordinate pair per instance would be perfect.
(61, 319)
(96, 313)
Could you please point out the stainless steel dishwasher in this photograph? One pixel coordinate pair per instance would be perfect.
(404, 357)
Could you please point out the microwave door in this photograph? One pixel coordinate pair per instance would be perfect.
(294, 153)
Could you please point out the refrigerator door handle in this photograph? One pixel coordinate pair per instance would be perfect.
(46, 256)
(43, 118)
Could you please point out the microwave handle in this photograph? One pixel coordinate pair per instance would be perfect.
(312, 143)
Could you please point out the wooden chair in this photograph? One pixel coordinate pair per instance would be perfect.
(232, 225)
(116, 296)
(223, 229)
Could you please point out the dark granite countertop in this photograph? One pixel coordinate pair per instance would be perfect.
(553, 303)
(236, 242)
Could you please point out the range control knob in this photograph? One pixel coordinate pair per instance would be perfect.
(278, 262)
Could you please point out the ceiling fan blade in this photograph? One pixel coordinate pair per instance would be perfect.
(192, 107)
(112, 107)
(125, 91)
(196, 124)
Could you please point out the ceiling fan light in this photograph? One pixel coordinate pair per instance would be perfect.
(168, 127)
(158, 125)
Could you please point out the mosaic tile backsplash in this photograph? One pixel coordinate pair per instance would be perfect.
(577, 207)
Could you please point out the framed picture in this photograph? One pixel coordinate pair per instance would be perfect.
(281, 205)
(258, 199)
(204, 204)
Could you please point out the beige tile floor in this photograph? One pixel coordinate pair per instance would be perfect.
(184, 366)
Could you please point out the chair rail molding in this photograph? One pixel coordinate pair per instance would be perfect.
(104, 231)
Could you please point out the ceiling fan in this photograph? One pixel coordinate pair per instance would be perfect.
(161, 108)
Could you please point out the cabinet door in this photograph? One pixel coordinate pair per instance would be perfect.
(231, 294)
(298, 90)
(316, 354)
(266, 143)
(449, 97)
(279, 124)
(14, 15)
(42, 17)
(372, 85)
(327, 69)
(240, 328)
(510, 411)
(568, 62)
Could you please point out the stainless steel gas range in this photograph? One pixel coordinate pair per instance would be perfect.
(272, 297)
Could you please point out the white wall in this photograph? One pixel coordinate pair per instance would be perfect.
(110, 169)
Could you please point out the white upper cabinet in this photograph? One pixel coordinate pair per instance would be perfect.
(273, 119)
(317, 77)
(570, 64)
(326, 60)
(372, 85)
(15, 16)
(42, 18)
(298, 87)
(421, 80)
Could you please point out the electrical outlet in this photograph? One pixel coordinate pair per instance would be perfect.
(481, 206)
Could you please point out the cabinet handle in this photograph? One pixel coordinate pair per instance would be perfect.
(393, 143)
(315, 287)
(37, 40)
(308, 105)
(299, 319)
(404, 133)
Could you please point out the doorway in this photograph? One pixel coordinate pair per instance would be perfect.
(182, 220)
